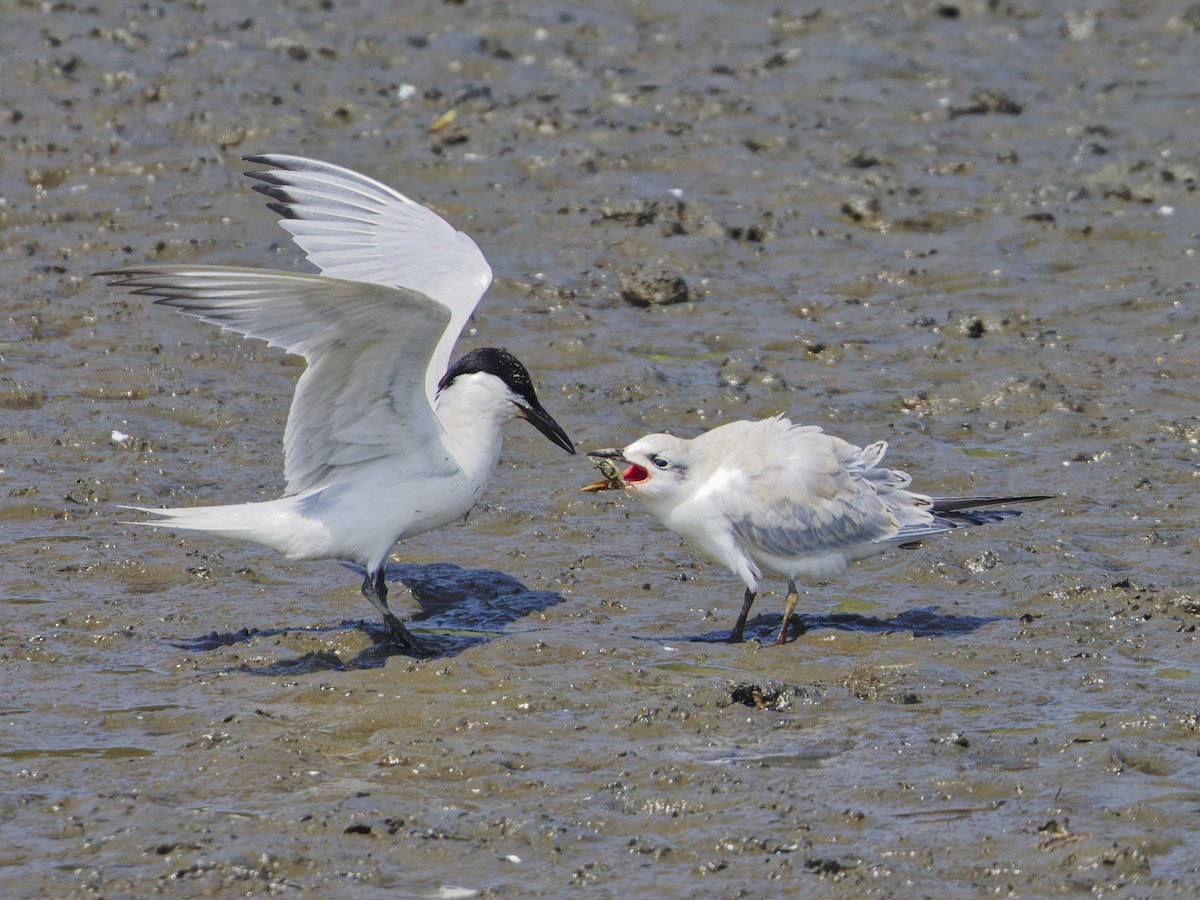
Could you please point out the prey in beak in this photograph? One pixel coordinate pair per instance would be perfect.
(614, 479)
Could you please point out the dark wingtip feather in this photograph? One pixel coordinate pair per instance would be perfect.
(274, 188)
(961, 512)
(950, 504)
(285, 210)
(962, 518)
(269, 176)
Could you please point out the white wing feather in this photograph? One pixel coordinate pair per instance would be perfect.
(360, 399)
(353, 227)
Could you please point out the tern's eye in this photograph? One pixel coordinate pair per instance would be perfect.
(659, 462)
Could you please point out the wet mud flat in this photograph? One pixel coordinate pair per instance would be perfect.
(968, 229)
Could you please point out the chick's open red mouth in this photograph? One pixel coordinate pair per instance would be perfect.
(635, 474)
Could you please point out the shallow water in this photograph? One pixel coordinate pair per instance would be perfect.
(968, 229)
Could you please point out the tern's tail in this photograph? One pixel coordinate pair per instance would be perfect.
(950, 513)
(278, 524)
(959, 512)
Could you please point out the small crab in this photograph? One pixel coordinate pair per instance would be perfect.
(612, 476)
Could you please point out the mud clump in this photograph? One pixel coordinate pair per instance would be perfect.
(654, 288)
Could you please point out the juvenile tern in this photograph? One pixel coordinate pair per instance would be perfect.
(771, 496)
(383, 442)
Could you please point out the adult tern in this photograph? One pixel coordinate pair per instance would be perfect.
(779, 497)
(383, 441)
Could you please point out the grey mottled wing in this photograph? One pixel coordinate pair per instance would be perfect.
(801, 492)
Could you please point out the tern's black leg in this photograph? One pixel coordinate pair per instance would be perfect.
(788, 609)
(735, 636)
(374, 588)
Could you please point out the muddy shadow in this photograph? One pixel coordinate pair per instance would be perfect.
(924, 621)
(459, 608)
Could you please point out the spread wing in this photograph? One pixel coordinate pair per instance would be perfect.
(368, 346)
(355, 228)
(806, 493)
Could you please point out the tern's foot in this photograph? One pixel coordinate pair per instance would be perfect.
(402, 637)
(798, 630)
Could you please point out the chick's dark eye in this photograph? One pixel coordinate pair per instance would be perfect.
(659, 462)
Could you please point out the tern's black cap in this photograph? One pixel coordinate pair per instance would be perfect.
(493, 361)
(503, 365)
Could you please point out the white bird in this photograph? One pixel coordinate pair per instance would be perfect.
(770, 496)
(382, 441)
